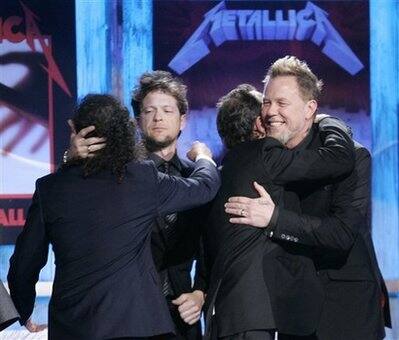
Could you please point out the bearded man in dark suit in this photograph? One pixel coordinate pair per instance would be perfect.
(244, 302)
(335, 226)
(160, 105)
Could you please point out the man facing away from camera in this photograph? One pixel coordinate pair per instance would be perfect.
(160, 106)
(97, 213)
(334, 228)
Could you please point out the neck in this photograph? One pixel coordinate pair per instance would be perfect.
(168, 152)
(292, 143)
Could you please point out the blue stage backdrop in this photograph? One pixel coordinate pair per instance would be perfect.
(214, 46)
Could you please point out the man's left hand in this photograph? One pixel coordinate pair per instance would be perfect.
(256, 212)
(197, 149)
(190, 305)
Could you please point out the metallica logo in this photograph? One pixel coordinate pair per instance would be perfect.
(221, 24)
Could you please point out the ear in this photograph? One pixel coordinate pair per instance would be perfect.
(311, 107)
(258, 130)
(258, 126)
(183, 121)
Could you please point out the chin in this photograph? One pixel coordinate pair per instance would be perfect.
(282, 137)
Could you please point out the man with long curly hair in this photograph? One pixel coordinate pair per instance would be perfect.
(160, 105)
(97, 213)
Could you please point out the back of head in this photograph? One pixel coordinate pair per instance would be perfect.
(111, 120)
(309, 85)
(237, 113)
(160, 81)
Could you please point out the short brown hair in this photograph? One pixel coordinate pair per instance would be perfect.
(237, 113)
(309, 85)
(160, 81)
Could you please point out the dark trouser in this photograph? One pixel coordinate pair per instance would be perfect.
(157, 337)
(296, 337)
(251, 335)
(248, 335)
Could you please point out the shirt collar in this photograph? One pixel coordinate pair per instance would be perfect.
(307, 140)
(175, 161)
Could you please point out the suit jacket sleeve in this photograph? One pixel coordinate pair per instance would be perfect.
(178, 194)
(30, 256)
(330, 161)
(348, 211)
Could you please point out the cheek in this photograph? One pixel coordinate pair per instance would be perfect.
(295, 118)
(177, 123)
(144, 124)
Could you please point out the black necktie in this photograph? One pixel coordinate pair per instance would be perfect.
(168, 230)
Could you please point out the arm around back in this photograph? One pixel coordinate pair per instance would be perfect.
(349, 210)
(335, 158)
(178, 194)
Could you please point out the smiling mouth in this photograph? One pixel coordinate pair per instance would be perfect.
(275, 123)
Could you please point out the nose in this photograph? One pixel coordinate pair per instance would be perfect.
(157, 116)
(269, 110)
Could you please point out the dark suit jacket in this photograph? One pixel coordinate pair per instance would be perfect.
(177, 255)
(238, 254)
(8, 313)
(105, 282)
(337, 232)
(175, 251)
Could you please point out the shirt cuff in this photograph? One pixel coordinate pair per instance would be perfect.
(273, 220)
(202, 156)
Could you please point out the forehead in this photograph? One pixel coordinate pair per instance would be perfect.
(159, 98)
(281, 86)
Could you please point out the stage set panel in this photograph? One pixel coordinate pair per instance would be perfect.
(52, 53)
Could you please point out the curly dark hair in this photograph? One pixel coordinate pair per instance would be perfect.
(237, 112)
(163, 81)
(112, 121)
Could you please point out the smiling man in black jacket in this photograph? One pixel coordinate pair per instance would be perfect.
(335, 231)
(244, 303)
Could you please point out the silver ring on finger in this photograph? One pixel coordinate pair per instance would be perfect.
(242, 212)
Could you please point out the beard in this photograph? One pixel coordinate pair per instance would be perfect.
(153, 145)
(282, 137)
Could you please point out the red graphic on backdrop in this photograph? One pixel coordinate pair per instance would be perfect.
(29, 71)
(12, 217)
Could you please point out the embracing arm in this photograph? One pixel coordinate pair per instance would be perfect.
(336, 231)
(349, 210)
(335, 158)
(178, 194)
